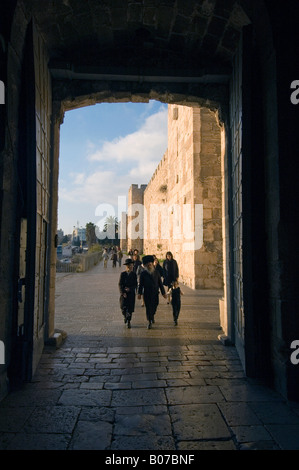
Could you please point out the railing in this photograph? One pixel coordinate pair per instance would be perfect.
(66, 267)
(89, 260)
(83, 263)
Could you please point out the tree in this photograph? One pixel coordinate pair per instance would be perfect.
(65, 239)
(91, 234)
(111, 228)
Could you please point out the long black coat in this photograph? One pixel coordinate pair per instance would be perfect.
(158, 282)
(136, 264)
(127, 285)
(158, 285)
(159, 268)
(170, 271)
(149, 285)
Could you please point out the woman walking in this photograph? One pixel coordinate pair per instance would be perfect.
(170, 271)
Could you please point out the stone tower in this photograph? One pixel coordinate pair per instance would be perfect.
(123, 227)
(135, 227)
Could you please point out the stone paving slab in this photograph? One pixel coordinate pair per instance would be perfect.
(38, 441)
(84, 397)
(169, 388)
(149, 396)
(143, 424)
(52, 419)
(91, 435)
(198, 422)
(145, 442)
(206, 445)
(195, 394)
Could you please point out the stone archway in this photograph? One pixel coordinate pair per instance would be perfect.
(182, 52)
(210, 112)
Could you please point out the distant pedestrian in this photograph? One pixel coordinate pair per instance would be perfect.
(158, 266)
(175, 294)
(119, 256)
(127, 287)
(147, 287)
(114, 259)
(170, 271)
(137, 262)
(105, 258)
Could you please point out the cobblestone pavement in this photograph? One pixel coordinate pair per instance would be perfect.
(169, 388)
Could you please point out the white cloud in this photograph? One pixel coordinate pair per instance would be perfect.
(78, 178)
(93, 188)
(148, 143)
(144, 171)
(130, 160)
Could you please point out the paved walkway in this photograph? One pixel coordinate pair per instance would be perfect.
(169, 388)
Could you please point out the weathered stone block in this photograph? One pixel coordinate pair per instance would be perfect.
(206, 258)
(212, 203)
(210, 171)
(207, 213)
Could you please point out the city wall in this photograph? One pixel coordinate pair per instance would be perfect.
(188, 177)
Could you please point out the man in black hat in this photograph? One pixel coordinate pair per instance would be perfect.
(127, 287)
(147, 287)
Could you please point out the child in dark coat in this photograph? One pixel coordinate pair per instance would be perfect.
(175, 293)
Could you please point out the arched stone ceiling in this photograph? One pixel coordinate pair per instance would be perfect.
(177, 36)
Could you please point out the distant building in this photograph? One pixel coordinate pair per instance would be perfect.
(79, 235)
(60, 235)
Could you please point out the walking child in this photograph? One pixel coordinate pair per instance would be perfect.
(175, 293)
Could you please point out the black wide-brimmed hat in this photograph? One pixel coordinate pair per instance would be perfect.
(147, 259)
(129, 261)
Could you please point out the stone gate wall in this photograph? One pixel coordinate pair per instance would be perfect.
(155, 200)
(188, 177)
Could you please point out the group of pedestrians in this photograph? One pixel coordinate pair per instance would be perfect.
(144, 279)
(115, 254)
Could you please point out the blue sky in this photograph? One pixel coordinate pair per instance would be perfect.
(103, 150)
